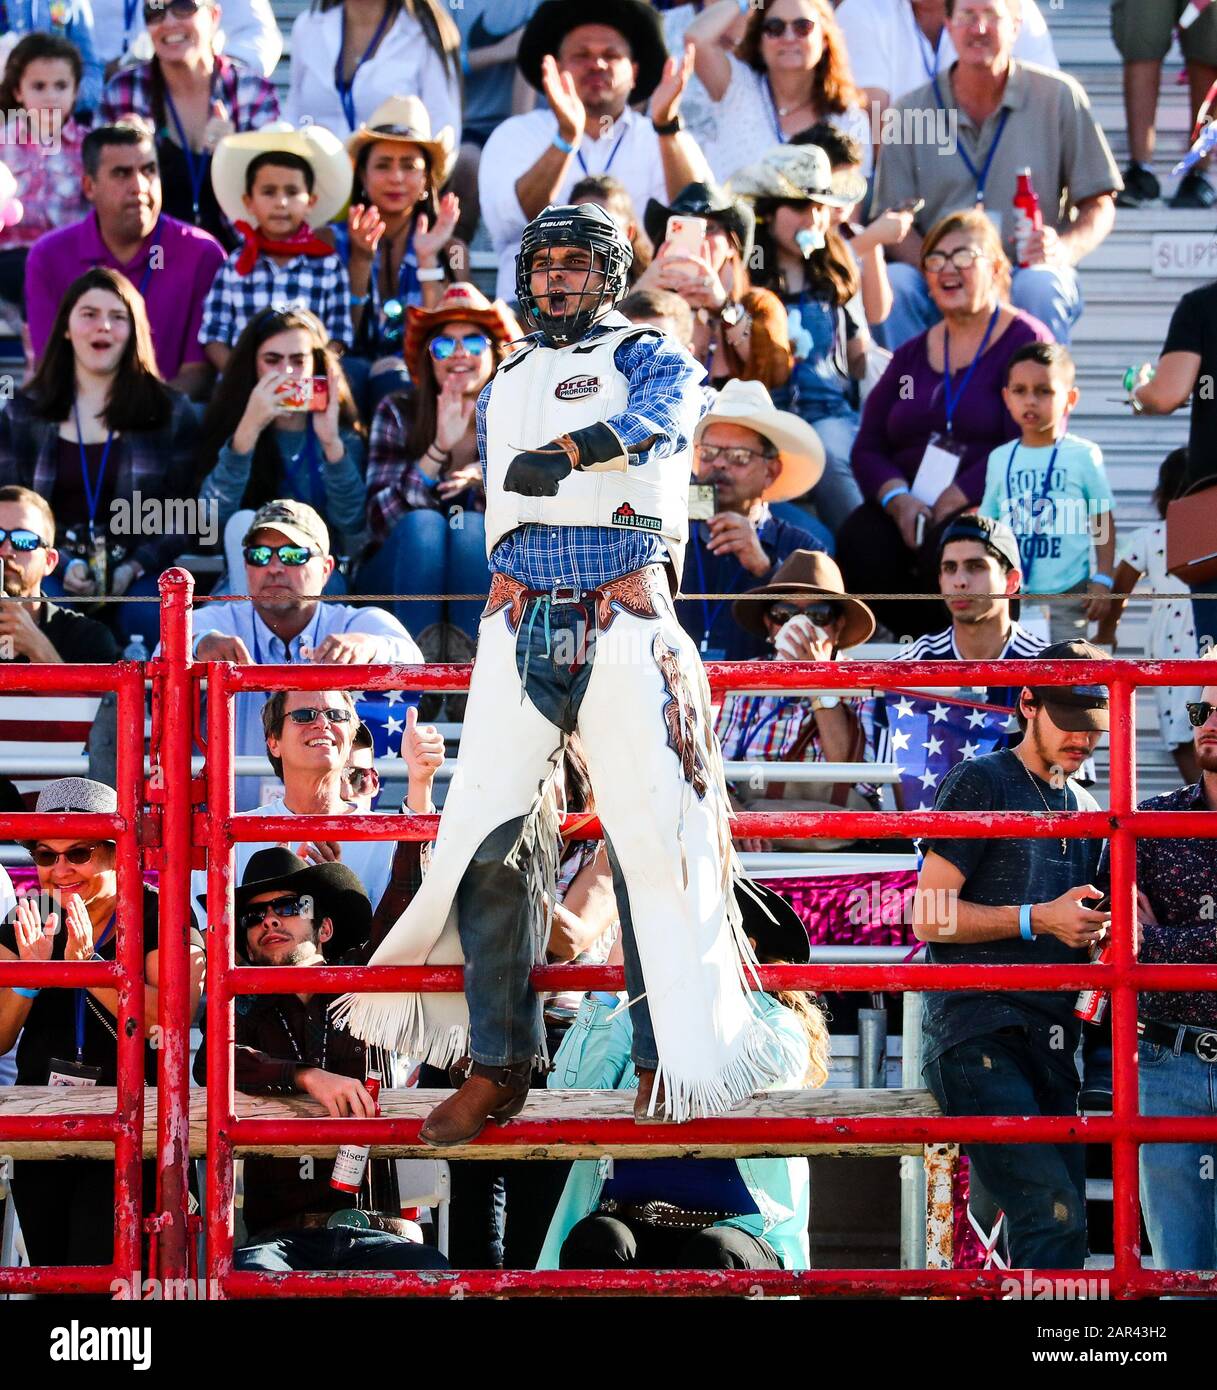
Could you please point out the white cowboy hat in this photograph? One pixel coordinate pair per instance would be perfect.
(407, 120)
(798, 173)
(799, 449)
(332, 173)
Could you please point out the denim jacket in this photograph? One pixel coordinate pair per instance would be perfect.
(595, 1055)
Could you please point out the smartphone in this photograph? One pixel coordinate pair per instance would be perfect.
(304, 393)
(686, 234)
(703, 501)
(913, 205)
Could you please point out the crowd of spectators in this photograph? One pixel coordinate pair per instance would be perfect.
(252, 325)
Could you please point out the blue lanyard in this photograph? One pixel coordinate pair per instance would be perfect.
(751, 729)
(709, 616)
(92, 494)
(196, 166)
(612, 156)
(950, 398)
(129, 9)
(80, 997)
(981, 175)
(1028, 560)
(925, 47)
(346, 90)
(773, 113)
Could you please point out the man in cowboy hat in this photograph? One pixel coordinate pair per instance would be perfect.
(278, 186)
(292, 913)
(585, 435)
(594, 61)
(751, 454)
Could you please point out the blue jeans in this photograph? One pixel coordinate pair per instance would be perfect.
(837, 495)
(1040, 1187)
(1178, 1186)
(340, 1247)
(493, 900)
(429, 553)
(1051, 294)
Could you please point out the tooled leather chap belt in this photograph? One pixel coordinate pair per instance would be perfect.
(644, 593)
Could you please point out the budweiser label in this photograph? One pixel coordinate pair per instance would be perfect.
(352, 1161)
(1092, 1003)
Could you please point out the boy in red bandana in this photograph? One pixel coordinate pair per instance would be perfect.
(287, 182)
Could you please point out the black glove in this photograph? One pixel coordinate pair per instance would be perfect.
(538, 472)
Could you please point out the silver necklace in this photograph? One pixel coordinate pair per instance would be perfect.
(1035, 782)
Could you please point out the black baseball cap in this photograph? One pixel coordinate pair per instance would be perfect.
(1074, 708)
(995, 536)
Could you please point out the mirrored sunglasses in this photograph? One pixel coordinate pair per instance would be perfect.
(288, 906)
(442, 346)
(22, 540)
(259, 556)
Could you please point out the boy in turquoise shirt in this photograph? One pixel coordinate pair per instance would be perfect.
(1051, 489)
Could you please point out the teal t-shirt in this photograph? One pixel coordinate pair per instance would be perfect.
(1048, 503)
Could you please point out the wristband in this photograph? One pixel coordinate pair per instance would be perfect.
(672, 127)
(428, 276)
(1105, 579)
(564, 145)
(358, 299)
(1024, 923)
(428, 480)
(26, 993)
(900, 490)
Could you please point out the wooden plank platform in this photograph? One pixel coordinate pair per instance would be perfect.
(495, 1143)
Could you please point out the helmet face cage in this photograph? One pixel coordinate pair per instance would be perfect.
(611, 257)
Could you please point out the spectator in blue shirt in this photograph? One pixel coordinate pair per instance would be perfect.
(751, 455)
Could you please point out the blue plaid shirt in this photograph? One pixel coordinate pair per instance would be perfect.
(318, 283)
(541, 556)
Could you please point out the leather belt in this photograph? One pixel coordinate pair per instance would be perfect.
(644, 593)
(667, 1214)
(1199, 1042)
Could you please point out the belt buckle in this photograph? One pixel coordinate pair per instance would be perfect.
(1206, 1046)
(564, 594)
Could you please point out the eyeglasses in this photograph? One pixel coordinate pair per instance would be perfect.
(1199, 712)
(734, 458)
(362, 780)
(775, 28)
(308, 715)
(820, 613)
(442, 346)
(292, 906)
(259, 556)
(22, 540)
(962, 259)
(78, 855)
(179, 9)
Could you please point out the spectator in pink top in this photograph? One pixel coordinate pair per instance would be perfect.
(171, 264)
(41, 79)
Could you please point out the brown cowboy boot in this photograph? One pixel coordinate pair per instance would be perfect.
(642, 1101)
(487, 1093)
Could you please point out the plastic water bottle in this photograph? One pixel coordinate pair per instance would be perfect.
(135, 650)
(1027, 216)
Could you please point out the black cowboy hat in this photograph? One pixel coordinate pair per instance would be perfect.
(336, 890)
(781, 935)
(638, 23)
(703, 200)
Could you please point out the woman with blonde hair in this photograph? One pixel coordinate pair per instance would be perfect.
(790, 70)
(936, 414)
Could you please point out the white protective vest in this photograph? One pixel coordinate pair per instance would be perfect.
(545, 392)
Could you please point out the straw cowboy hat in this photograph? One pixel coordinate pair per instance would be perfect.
(407, 121)
(799, 449)
(807, 574)
(638, 24)
(798, 173)
(332, 172)
(460, 301)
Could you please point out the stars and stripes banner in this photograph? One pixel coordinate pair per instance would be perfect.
(51, 725)
(384, 712)
(926, 737)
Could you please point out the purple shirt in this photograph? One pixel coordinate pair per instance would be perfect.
(176, 286)
(906, 406)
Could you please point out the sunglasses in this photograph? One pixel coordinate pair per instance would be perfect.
(22, 540)
(259, 556)
(179, 9)
(291, 906)
(962, 259)
(78, 855)
(775, 28)
(820, 613)
(309, 715)
(1199, 712)
(442, 346)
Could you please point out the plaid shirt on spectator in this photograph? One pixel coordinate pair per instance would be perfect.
(396, 484)
(48, 184)
(318, 283)
(248, 99)
(588, 556)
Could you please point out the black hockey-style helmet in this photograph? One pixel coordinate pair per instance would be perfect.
(587, 225)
